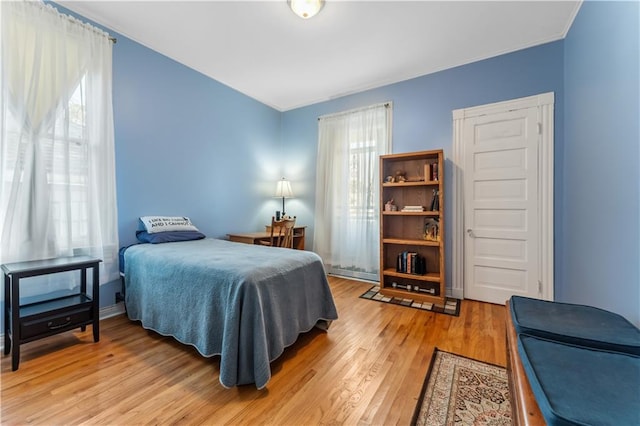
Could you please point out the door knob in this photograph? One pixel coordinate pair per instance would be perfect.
(470, 232)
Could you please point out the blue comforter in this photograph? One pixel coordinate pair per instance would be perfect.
(243, 302)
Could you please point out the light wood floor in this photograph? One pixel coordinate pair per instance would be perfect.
(367, 369)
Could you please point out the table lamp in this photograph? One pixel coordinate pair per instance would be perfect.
(283, 189)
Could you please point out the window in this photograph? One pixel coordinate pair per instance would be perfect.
(57, 195)
(362, 199)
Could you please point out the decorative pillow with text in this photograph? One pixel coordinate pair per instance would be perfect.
(153, 224)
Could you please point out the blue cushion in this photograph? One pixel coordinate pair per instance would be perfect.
(576, 324)
(577, 385)
(168, 237)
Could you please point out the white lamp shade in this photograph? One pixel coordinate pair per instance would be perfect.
(306, 8)
(283, 189)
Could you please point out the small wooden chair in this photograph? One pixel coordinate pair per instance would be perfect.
(281, 233)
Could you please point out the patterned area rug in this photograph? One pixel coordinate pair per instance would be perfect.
(463, 391)
(451, 306)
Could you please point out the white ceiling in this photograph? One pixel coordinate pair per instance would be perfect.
(263, 50)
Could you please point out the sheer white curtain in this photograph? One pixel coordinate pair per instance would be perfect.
(57, 166)
(347, 189)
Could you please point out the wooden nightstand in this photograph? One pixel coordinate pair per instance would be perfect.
(25, 323)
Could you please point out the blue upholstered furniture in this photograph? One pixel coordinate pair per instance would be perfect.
(578, 324)
(579, 364)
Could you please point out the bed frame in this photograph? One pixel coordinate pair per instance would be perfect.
(524, 408)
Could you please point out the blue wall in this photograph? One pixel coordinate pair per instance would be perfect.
(602, 159)
(422, 117)
(188, 145)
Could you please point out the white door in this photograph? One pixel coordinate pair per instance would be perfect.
(501, 199)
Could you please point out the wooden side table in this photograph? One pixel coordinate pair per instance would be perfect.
(25, 323)
(256, 237)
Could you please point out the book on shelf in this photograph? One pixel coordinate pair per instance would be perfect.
(431, 172)
(413, 209)
(411, 263)
(435, 200)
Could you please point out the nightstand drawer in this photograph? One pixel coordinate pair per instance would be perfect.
(55, 323)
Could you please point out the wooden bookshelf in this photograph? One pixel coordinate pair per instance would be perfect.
(410, 179)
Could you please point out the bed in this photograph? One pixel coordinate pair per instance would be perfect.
(245, 303)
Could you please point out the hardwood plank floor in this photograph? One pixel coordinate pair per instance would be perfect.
(367, 369)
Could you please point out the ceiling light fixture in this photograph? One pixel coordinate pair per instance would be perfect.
(306, 8)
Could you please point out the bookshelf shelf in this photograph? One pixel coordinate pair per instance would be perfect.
(408, 242)
(401, 213)
(418, 183)
(431, 277)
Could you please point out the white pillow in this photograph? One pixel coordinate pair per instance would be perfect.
(153, 224)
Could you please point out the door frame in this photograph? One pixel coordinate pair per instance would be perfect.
(545, 104)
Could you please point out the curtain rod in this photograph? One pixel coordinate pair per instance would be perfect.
(385, 104)
(84, 24)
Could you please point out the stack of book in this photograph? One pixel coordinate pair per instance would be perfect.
(413, 209)
(411, 263)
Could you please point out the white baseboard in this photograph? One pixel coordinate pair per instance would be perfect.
(353, 278)
(456, 293)
(112, 311)
(106, 312)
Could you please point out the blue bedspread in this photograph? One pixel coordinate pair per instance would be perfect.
(243, 302)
